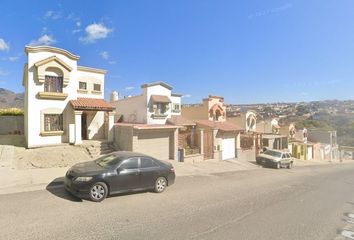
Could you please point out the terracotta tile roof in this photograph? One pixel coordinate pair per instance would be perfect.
(146, 126)
(160, 98)
(223, 126)
(180, 121)
(91, 104)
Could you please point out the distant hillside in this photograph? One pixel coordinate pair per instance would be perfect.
(9, 99)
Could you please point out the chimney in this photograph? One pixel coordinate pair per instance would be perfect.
(114, 96)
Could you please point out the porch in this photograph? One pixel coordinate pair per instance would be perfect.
(93, 120)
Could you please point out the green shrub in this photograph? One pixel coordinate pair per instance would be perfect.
(11, 112)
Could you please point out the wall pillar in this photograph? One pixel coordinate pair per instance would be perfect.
(78, 138)
(175, 146)
(201, 140)
(110, 130)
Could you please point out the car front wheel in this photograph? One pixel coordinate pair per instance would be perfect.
(290, 165)
(160, 184)
(98, 192)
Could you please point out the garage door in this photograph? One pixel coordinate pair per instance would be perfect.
(154, 143)
(228, 148)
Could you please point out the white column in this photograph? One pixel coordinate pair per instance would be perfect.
(110, 133)
(78, 138)
(201, 140)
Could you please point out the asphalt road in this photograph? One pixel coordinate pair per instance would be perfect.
(301, 203)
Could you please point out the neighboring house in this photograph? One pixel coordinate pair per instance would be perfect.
(327, 144)
(219, 136)
(141, 121)
(64, 102)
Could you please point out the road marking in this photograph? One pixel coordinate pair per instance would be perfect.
(348, 234)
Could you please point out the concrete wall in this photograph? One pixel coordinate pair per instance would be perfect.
(123, 138)
(319, 136)
(133, 109)
(195, 112)
(11, 124)
(90, 78)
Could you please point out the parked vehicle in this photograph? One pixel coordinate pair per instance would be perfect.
(118, 172)
(275, 158)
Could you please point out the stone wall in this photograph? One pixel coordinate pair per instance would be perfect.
(11, 125)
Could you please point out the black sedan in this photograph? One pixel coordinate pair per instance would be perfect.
(118, 172)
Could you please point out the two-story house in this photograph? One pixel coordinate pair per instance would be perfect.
(141, 121)
(64, 102)
(219, 135)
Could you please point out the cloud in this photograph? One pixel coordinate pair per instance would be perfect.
(187, 96)
(104, 55)
(3, 73)
(43, 40)
(129, 88)
(269, 11)
(76, 31)
(112, 62)
(95, 32)
(52, 15)
(3, 45)
(78, 24)
(14, 58)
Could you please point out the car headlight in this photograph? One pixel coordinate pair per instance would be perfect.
(83, 179)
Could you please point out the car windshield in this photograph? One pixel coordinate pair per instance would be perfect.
(273, 153)
(108, 161)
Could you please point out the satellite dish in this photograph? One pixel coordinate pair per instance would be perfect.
(251, 122)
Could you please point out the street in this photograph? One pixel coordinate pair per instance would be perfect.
(310, 202)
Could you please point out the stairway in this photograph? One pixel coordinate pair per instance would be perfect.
(98, 148)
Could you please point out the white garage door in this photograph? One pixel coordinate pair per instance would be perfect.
(228, 148)
(155, 144)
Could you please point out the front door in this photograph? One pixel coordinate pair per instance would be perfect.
(128, 176)
(208, 144)
(84, 126)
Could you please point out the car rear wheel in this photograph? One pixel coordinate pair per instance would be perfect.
(160, 184)
(98, 192)
(290, 165)
(278, 165)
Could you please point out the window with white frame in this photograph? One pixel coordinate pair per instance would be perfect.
(53, 84)
(176, 107)
(53, 122)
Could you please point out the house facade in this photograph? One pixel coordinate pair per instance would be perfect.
(64, 102)
(141, 121)
(219, 136)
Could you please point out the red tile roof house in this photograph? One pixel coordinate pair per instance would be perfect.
(150, 123)
(64, 102)
(220, 137)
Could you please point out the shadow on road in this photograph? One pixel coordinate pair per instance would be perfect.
(56, 187)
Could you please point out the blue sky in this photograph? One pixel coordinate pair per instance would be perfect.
(247, 51)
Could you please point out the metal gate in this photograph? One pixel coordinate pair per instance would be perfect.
(208, 145)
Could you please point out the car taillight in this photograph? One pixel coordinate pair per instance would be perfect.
(172, 170)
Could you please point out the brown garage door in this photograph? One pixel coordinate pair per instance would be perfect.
(154, 143)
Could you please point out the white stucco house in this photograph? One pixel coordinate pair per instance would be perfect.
(64, 102)
(141, 121)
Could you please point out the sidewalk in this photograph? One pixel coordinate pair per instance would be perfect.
(14, 181)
